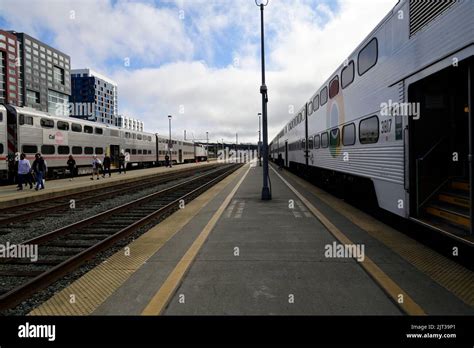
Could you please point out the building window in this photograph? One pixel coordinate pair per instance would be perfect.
(32, 97)
(334, 87)
(324, 96)
(369, 130)
(58, 74)
(47, 149)
(347, 75)
(58, 103)
(367, 57)
(349, 134)
(324, 140)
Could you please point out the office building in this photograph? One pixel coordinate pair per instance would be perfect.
(127, 122)
(10, 88)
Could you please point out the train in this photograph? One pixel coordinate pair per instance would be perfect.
(29, 131)
(394, 121)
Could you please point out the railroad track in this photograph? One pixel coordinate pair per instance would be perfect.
(65, 249)
(27, 211)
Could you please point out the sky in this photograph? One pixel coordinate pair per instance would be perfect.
(199, 60)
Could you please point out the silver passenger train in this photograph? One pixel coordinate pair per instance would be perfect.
(396, 118)
(30, 131)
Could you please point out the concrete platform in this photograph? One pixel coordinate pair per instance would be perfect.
(9, 196)
(229, 253)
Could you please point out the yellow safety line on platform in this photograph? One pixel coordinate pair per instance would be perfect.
(409, 306)
(452, 276)
(159, 302)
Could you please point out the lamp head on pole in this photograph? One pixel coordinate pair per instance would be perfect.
(261, 2)
(169, 116)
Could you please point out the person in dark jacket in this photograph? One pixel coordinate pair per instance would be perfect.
(122, 163)
(167, 161)
(280, 161)
(39, 168)
(71, 165)
(106, 163)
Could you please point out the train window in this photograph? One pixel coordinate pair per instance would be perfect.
(47, 149)
(349, 134)
(46, 123)
(324, 96)
(367, 57)
(127, 150)
(99, 150)
(134, 151)
(316, 103)
(316, 141)
(127, 135)
(149, 152)
(63, 125)
(139, 151)
(75, 127)
(30, 148)
(334, 87)
(310, 108)
(77, 150)
(88, 129)
(1, 117)
(134, 136)
(139, 137)
(303, 144)
(99, 130)
(1, 148)
(347, 75)
(88, 150)
(310, 143)
(145, 152)
(369, 130)
(324, 140)
(335, 138)
(26, 120)
(63, 150)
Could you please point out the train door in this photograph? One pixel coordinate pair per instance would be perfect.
(114, 155)
(286, 154)
(439, 149)
(180, 154)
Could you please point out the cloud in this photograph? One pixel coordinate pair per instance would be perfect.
(200, 59)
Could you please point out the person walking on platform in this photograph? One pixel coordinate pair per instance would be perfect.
(39, 168)
(71, 165)
(122, 163)
(280, 161)
(107, 162)
(96, 165)
(167, 161)
(24, 171)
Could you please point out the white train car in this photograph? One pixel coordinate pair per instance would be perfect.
(396, 115)
(56, 138)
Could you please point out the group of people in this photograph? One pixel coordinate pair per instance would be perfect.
(29, 174)
(35, 173)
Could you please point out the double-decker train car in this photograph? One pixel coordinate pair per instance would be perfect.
(30, 131)
(396, 118)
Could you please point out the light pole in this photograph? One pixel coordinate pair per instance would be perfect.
(266, 194)
(259, 139)
(170, 144)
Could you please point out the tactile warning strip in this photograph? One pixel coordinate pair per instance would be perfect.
(452, 276)
(85, 294)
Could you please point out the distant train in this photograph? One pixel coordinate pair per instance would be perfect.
(30, 131)
(395, 119)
